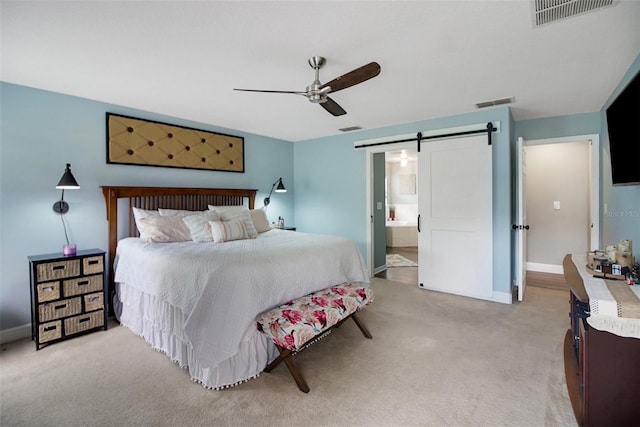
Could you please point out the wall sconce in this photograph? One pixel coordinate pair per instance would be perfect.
(67, 182)
(279, 189)
(403, 159)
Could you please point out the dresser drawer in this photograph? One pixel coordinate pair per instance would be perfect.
(92, 265)
(84, 322)
(82, 285)
(57, 270)
(48, 291)
(50, 331)
(93, 301)
(55, 310)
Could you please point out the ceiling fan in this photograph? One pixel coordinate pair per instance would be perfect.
(318, 93)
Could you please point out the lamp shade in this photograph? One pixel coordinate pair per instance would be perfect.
(67, 182)
(280, 188)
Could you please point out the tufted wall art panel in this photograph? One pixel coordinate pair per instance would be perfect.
(133, 141)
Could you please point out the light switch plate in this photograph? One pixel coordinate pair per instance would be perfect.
(556, 205)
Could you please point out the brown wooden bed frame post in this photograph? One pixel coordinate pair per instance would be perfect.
(195, 199)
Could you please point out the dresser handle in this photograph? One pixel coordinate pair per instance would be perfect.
(50, 328)
(58, 307)
(92, 299)
(47, 289)
(84, 283)
(95, 261)
(85, 320)
(58, 267)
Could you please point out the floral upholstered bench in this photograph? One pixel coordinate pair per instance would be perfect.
(294, 325)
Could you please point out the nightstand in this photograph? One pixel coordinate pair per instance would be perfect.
(68, 295)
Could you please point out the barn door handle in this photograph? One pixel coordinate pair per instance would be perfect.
(418, 223)
(520, 227)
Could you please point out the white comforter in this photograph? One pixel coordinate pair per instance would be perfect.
(222, 287)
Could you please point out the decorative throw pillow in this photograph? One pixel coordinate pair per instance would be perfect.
(225, 231)
(138, 214)
(260, 220)
(199, 227)
(228, 213)
(163, 229)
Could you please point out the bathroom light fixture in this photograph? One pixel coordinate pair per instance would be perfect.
(279, 189)
(67, 182)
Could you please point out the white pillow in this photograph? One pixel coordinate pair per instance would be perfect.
(199, 227)
(260, 220)
(178, 212)
(224, 231)
(138, 214)
(163, 229)
(228, 213)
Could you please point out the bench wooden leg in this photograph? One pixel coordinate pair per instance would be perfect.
(292, 366)
(361, 326)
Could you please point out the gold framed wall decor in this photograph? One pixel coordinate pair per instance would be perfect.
(133, 141)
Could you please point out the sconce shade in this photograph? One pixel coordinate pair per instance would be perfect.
(67, 182)
(279, 189)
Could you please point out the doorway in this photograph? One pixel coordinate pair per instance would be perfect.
(399, 239)
(562, 200)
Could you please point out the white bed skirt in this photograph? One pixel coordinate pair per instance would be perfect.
(162, 326)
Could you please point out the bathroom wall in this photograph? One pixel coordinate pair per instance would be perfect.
(402, 199)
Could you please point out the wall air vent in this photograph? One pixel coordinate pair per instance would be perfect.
(547, 11)
(494, 102)
(349, 129)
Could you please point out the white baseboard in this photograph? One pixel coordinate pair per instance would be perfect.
(14, 334)
(503, 297)
(379, 269)
(544, 268)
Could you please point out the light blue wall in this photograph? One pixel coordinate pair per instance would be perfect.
(42, 131)
(331, 183)
(559, 126)
(622, 218)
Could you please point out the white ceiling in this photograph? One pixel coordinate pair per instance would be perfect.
(438, 58)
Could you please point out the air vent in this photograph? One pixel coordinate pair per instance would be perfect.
(547, 11)
(349, 129)
(495, 102)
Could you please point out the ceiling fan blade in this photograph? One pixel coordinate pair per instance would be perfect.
(332, 106)
(354, 77)
(273, 91)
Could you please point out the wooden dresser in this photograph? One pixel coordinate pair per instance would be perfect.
(67, 295)
(602, 369)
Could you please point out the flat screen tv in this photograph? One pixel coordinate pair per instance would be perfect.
(623, 122)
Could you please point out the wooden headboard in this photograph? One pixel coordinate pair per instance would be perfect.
(195, 199)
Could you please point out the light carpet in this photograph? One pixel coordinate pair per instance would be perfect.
(434, 360)
(396, 260)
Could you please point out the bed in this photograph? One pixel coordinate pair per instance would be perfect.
(197, 302)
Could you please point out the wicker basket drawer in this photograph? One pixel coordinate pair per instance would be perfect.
(48, 291)
(58, 309)
(84, 322)
(50, 331)
(82, 285)
(58, 270)
(93, 302)
(92, 265)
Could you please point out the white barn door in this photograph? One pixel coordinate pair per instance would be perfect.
(455, 206)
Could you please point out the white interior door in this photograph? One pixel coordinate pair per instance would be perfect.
(455, 205)
(521, 227)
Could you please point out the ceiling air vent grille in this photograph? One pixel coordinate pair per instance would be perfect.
(493, 103)
(349, 129)
(547, 11)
